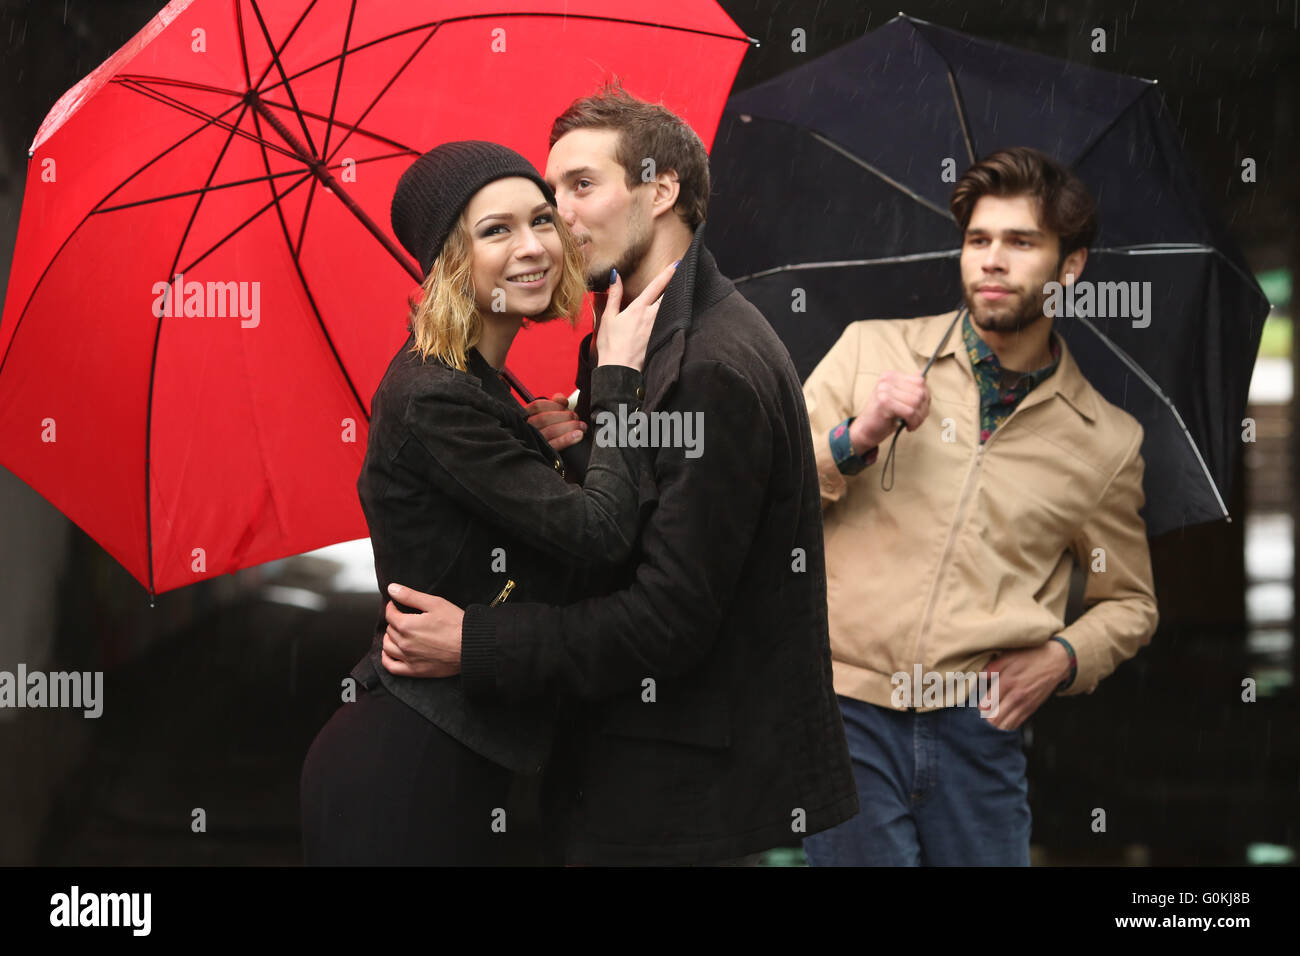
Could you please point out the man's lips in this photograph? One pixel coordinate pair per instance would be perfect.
(993, 291)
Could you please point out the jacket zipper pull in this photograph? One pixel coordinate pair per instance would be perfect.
(505, 593)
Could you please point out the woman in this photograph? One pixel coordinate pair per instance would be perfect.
(466, 500)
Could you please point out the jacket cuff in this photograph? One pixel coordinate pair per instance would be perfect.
(1070, 678)
(612, 385)
(478, 652)
(1088, 671)
(842, 450)
(829, 476)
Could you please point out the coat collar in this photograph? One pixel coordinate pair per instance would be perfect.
(924, 335)
(489, 378)
(696, 286)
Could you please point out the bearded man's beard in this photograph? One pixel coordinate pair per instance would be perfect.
(1014, 313)
(638, 247)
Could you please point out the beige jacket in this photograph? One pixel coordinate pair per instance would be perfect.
(971, 551)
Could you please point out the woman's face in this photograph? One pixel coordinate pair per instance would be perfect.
(516, 248)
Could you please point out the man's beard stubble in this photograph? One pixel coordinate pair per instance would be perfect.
(993, 317)
(631, 257)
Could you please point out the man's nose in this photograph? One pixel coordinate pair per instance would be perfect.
(994, 258)
(567, 212)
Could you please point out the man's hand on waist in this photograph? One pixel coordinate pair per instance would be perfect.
(426, 644)
(1025, 678)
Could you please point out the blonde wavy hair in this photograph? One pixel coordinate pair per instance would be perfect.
(446, 320)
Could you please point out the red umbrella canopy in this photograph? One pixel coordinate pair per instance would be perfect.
(206, 290)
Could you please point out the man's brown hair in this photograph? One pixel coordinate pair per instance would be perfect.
(646, 131)
(1065, 206)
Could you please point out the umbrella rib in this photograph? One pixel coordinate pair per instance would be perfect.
(843, 263)
(72, 232)
(153, 359)
(137, 82)
(238, 182)
(145, 78)
(192, 192)
(199, 114)
(1112, 124)
(541, 14)
(380, 95)
(357, 128)
(952, 85)
(289, 36)
(306, 212)
(279, 67)
(311, 300)
(1171, 248)
(961, 115)
(338, 82)
(1150, 383)
(194, 213)
(496, 16)
(243, 47)
(876, 172)
(1183, 248)
(233, 232)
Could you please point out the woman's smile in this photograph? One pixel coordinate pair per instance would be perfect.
(530, 280)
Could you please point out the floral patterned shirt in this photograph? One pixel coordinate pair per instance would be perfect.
(1001, 390)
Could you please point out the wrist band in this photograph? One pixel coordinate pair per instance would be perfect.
(1074, 661)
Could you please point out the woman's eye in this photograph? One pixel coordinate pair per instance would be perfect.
(491, 230)
(544, 217)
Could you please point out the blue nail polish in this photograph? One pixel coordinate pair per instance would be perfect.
(677, 263)
(613, 276)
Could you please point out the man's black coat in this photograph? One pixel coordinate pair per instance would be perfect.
(706, 726)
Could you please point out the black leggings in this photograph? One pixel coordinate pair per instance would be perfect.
(381, 785)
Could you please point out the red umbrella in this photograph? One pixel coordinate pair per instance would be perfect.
(206, 290)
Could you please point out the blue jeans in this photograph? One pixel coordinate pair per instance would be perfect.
(944, 788)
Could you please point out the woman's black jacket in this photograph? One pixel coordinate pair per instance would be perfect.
(461, 495)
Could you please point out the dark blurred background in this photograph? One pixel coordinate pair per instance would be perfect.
(214, 694)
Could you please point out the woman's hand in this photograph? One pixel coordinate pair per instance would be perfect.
(621, 337)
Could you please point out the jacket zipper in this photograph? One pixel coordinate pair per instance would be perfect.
(933, 599)
(505, 593)
(976, 462)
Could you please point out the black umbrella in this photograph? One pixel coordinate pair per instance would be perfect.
(831, 186)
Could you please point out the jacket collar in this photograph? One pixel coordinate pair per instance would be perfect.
(924, 335)
(488, 377)
(696, 286)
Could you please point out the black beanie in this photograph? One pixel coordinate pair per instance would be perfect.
(436, 187)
